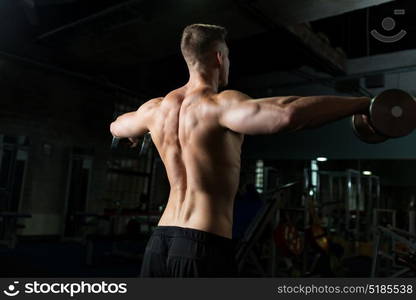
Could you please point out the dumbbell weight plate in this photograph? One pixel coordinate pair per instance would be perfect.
(114, 143)
(393, 113)
(364, 132)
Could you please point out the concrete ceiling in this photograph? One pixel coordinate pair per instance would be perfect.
(159, 23)
(300, 11)
(120, 39)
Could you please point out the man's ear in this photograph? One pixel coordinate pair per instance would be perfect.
(219, 57)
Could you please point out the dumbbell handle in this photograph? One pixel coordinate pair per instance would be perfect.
(147, 140)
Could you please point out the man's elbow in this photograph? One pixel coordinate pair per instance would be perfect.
(287, 121)
(115, 129)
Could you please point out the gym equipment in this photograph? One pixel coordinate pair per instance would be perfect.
(244, 249)
(288, 239)
(115, 142)
(144, 149)
(364, 131)
(9, 226)
(146, 143)
(392, 114)
(404, 258)
(316, 233)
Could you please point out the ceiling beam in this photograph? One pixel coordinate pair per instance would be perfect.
(47, 2)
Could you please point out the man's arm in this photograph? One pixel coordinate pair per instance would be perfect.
(271, 115)
(136, 123)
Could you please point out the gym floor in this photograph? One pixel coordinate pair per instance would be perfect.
(33, 258)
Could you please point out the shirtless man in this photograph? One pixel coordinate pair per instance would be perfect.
(198, 132)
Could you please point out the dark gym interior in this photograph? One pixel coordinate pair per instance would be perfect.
(314, 203)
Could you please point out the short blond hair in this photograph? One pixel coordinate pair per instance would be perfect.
(197, 40)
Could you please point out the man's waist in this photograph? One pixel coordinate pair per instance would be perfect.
(207, 222)
(191, 233)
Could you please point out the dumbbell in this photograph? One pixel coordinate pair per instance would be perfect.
(144, 149)
(392, 114)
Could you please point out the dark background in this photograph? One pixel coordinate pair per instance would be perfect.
(71, 207)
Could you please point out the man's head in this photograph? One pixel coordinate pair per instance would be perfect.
(204, 49)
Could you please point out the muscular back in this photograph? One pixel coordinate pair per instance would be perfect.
(202, 160)
(198, 134)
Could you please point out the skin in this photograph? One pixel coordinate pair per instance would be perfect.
(199, 131)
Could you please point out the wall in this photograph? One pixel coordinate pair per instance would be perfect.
(336, 140)
(64, 113)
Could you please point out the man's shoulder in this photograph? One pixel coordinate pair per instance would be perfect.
(149, 108)
(152, 103)
(155, 101)
(231, 96)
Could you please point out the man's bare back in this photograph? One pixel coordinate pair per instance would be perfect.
(202, 160)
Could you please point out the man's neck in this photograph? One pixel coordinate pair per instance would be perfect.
(203, 79)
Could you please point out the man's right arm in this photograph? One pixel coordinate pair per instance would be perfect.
(271, 115)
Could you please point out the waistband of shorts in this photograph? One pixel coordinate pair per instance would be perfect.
(191, 233)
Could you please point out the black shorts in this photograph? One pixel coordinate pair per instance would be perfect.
(184, 252)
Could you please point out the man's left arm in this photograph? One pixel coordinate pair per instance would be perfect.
(136, 123)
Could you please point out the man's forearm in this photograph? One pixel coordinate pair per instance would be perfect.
(313, 111)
